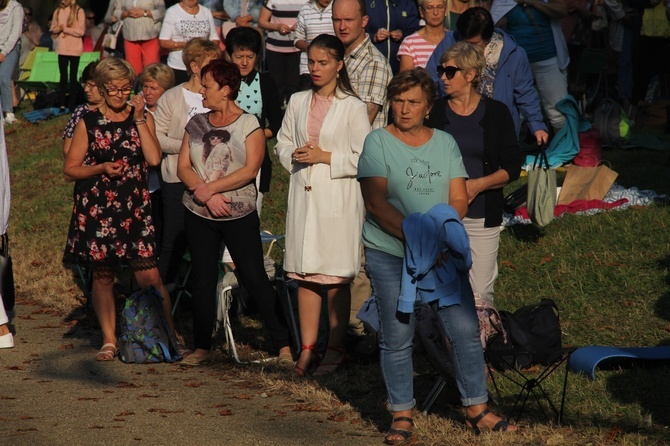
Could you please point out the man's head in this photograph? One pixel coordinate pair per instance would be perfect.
(349, 21)
(475, 26)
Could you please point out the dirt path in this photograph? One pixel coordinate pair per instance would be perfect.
(53, 392)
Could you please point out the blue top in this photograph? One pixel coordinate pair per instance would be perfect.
(532, 31)
(391, 15)
(513, 84)
(427, 236)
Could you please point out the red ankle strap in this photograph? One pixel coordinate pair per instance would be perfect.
(308, 347)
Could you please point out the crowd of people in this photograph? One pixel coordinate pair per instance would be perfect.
(397, 122)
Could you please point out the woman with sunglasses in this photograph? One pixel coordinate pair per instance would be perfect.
(484, 131)
(407, 168)
(111, 223)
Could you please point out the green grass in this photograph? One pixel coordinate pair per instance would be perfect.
(608, 273)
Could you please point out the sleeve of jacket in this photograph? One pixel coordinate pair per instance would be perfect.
(163, 119)
(285, 138)
(15, 22)
(525, 95)
(271, 105)
(158, 11)
(78, 28)
(509, 154)
(410, 24)
(344, 164)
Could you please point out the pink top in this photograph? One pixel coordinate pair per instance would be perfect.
(317, 114)
(69, 42)
(418, 48)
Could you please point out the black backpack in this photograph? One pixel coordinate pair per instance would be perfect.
(535, 329)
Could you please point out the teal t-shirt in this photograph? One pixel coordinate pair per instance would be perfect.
(417, 178)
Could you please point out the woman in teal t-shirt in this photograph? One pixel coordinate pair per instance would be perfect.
(405, 168)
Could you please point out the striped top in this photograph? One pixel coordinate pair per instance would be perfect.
(284, 12)
(418, 48)
(313, 21)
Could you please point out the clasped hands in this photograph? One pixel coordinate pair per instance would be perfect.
(216, 203)
(310, 153)
(383, 34)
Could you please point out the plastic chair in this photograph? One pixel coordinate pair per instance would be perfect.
(229, 284)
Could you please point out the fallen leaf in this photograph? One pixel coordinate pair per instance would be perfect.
(225, 412)
(146, 395)
(152, 371)
(123, 414)
(47, 326)
(193, 384)
(36, 263)
(5, 397)
(119, 419)
(216, 406)
(66, 347)
(15, 367)
(508, 264)
(126, 385)
(88, 398)
(544, 260)
(337, 418)
(166, 410)
(26, 417)
(243, 396)
(96, 427)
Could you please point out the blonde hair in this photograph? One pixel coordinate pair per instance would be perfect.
(158, 72)
(74, 11)
(112, 69)
(197, 50)
(467, 57)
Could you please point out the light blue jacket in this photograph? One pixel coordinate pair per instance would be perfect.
(439, 230)
(513, 84)
(233, 8)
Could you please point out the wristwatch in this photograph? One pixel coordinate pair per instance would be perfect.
(145, 13)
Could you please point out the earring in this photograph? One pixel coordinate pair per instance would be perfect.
(428, 115)
(337, 75)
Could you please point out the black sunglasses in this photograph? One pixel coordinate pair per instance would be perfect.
(449, 71)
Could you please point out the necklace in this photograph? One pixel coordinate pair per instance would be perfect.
(193, 10)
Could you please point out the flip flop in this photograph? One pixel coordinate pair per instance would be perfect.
(107, 353)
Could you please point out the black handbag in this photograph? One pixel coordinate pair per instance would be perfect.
(6, 275)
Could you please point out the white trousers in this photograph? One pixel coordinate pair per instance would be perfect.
(484, 247)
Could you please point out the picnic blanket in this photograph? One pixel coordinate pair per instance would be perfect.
(584, 360)
(43, 114)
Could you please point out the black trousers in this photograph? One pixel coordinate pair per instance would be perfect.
(285, 71)
(173, 240)
(63, 63)
(242, 238)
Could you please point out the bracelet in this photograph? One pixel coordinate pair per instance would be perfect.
(140, 121)
(175, 45)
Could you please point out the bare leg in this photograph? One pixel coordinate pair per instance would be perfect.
(339, 303)
(103, 303)
(150, 277)
(309, 313)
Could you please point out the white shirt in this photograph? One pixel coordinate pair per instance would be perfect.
(180, 26)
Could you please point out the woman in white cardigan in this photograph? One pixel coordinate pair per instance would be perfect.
(319, 143)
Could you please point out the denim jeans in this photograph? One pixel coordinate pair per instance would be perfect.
(552, 85)
(397, 332)
(6, 72)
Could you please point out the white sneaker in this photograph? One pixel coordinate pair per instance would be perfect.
(7, 341)
(10, 118)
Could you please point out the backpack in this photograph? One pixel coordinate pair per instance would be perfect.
(534, 329)
(146, 336)
(612, 122)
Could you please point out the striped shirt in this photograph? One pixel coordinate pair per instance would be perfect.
(313, 21)
(284, 12)
(370, 74)
(418, 48)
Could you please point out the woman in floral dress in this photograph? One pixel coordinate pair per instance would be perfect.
(111, 224)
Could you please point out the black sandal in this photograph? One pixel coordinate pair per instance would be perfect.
(501, 426)
(408, 437)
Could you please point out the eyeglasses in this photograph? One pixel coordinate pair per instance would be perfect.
(449, 72)
(115, 91)
(90, 85)
(438, 8)
(214, 137)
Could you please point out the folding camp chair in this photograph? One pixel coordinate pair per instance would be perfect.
(530, 382)
(228, 285)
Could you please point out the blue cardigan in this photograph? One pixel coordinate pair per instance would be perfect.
(439, 230)
(513, 84)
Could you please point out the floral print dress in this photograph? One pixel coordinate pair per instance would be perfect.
(111, 217)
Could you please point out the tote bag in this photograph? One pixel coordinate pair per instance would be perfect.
(541, 191)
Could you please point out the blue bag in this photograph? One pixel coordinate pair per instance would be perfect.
(146, 336)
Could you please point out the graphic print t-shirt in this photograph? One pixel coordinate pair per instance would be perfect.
(417, 178)
(180, 26)
(213, 162)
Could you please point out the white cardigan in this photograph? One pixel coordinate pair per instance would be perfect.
(323, 226)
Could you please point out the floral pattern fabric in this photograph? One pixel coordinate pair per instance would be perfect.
(111, 218)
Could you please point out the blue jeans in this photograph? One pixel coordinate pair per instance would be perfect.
(460, 325)
(6, 72)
